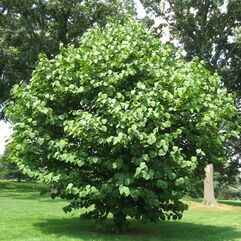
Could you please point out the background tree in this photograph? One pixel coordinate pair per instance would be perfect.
(9, 170)
(30, 27)
(120, 123)
(205, 30)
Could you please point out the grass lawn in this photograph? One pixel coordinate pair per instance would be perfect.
(27, 216)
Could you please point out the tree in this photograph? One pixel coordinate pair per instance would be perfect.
(30, 27)
(204, 28)
(120, 124)
(9, 170)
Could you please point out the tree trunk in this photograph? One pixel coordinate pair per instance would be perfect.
(209, 198)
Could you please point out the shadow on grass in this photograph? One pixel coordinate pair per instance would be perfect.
(14, 185)
(23, 194)
(165, 231)
(230, 202)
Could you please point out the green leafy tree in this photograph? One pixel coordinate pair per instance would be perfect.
(30, 27)
(9, 170)
(205, 30)
(120, 124)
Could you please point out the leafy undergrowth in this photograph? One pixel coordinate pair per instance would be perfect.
(27, 216)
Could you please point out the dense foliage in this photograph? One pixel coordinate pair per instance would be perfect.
(208, 30)
(205, 29)
(120, 124)
(9, 170)
(30, 27)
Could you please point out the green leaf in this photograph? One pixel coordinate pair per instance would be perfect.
(172, 176)
(161, 152)
(180, 181)
(143, 165)
(151, 139)
(162, 184)
(70, 185)
(138, 171)
(74, 190)
(141, 86)
(153, 154)
(114, 165)
(104, 128)
(175, 149)
(124, 191)
(194, 159)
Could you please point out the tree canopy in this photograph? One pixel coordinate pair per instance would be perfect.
(208, 30)
(120, 123)
(30, 27)
(205, 28)
(9, 170)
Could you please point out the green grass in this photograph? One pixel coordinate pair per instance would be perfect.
(27, 216)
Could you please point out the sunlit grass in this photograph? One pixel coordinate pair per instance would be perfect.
(27, 216)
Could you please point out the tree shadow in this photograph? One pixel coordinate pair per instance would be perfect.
(77, 228)
(26, 186)
(165, 231)
(22, 194)
(230, 202)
